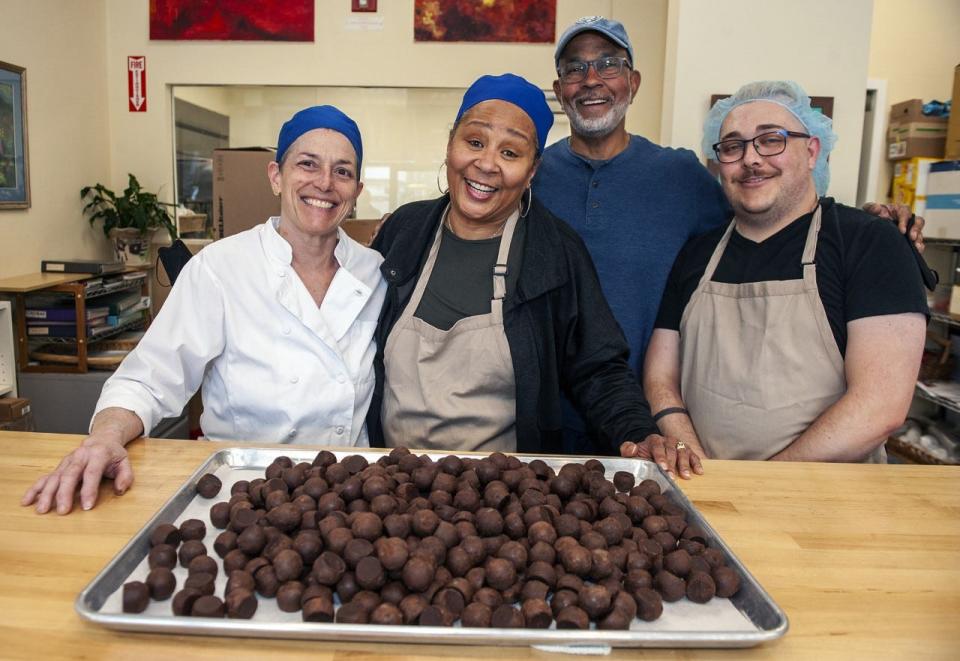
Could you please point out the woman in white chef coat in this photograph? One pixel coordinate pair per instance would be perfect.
(276, 324)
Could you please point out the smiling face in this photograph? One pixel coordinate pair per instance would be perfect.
(491, 158)
(768, 189)
(596, 106)
(317, 182)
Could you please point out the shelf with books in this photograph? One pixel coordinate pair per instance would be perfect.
(75, 312)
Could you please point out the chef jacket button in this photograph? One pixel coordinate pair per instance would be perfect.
(294, 379)
(358, 292)
(595, 205)
(340, 429)
(286, 330)
(282, 273)
(341, 378)
(292, 433)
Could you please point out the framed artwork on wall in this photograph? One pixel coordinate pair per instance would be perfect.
(523, 21)
(232, 20)
(14, 163)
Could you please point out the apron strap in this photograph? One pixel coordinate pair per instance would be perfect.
(500, 269)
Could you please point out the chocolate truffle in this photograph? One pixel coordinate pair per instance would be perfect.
(136, 597)
(318, 609)
(190, 550)
(649, 604)
(209, 486)
(507, 616)
(623, 481)
(500, 573)
(203, 564)
(700, 587)
(417, 574)
(241, 604)
(225, 542)
(202, 583)
(727, 581)
(235, 559)
(267, 581)
(370, 573)
(192, 529)
(576, 560)
(220, 515)
(596, 600)
(387, 614)
(288, 565)
(183, 601)
(536, 614)
(162, 555)
(165, 533)
(515, 553)
(451, 600)
(573, 617)
(392, 552)
(289, 596)
(670, 586)
(411, 606)
(435, 616)
(677, 562)
(240, 580)
(621, 615)
(208, 605)
(476, 614)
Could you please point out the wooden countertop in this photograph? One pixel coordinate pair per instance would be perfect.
(865, 560)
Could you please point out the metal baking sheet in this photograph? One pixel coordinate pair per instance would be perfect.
(751, 617)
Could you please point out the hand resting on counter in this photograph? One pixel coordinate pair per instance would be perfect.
(675, 461)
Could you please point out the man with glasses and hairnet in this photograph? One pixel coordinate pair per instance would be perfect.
(795, 331)
(634, 202)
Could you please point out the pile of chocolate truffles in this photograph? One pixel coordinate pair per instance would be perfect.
(487, 542)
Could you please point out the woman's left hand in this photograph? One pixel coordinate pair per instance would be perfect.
(671, 455)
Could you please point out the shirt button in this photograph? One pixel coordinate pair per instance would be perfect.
(292, 433)
(595, 184)
(595, 205)
(282, 274)
(294, 379)
(358, 292)
(339, 429)
(341, 378)
(286, 330)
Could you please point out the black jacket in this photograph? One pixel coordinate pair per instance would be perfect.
(558, 324)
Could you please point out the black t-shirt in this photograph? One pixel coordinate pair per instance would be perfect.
(865, 267)
(461, 284)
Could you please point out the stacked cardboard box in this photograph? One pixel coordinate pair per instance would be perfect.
(953, 125)
(910, 133)
(910, 183)
(942, 214)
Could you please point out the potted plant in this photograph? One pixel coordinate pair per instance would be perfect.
(129, 219)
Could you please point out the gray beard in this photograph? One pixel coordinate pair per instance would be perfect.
(599, 127)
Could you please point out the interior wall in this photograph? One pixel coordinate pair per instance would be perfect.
(715, 47)
(62, 44)
(914, 47)
(387, 57)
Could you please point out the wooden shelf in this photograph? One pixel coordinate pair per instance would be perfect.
(940, 401)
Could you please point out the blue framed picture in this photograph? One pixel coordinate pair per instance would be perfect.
(14, 163)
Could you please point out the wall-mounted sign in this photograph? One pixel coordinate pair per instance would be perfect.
(137, 83)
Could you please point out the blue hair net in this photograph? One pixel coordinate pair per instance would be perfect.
(320, 117)
(518, 91)
(789, 95)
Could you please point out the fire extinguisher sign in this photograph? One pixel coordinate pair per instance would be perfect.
(137, 83)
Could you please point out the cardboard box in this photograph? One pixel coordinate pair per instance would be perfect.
(942, 213)
(192, 223)
(911, 134)
(13, 408)
(952, 149)
(242, 197)
(360, 231)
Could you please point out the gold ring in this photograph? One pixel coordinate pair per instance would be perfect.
(681, 445)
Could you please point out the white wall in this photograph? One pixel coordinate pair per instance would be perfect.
(715, 47)
(62, 45)
(914, 47)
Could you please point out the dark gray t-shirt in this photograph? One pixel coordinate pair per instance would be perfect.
(461, 284)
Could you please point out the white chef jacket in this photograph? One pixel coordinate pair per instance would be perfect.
(274, 367)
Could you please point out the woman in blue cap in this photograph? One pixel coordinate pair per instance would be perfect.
(276, 324)
(493, 306)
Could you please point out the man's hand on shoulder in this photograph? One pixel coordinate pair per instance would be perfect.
(901, 214)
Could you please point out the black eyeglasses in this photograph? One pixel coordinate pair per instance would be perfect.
(606, 67)
(766, 144)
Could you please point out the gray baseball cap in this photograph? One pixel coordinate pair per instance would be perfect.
(609, 28)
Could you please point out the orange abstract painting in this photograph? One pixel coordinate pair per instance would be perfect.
(529, 21)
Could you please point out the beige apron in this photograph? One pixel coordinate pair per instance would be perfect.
(452, 389)
(759, 360)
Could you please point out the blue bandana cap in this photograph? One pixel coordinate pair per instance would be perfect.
(516, 90)
(319, 117)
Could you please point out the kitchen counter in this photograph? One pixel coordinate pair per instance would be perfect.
(864, 560)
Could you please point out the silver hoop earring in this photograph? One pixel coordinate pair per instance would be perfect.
(524, 212)
(439, 187)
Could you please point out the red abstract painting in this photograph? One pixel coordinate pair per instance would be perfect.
(530, 21)
(229, 20)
